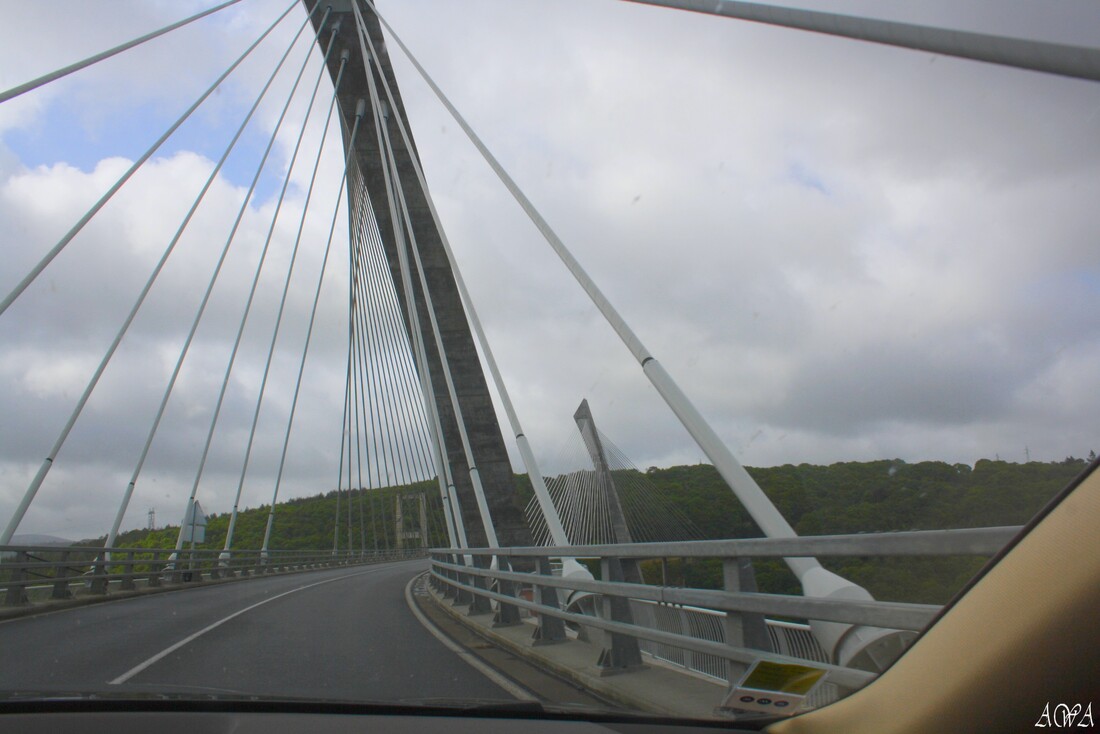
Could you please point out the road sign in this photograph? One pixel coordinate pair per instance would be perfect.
(194, 524)
(774, 688)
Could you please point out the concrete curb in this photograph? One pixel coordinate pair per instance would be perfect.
(683, 696)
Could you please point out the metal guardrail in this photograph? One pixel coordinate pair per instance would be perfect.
(100, 570)
(786, 638)
(670, 624)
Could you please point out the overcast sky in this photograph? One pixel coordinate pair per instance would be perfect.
(841, 251)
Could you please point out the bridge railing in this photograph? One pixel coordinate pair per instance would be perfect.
(478, 576)
(38, 573)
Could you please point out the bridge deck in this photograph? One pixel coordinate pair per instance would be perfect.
(345, 633)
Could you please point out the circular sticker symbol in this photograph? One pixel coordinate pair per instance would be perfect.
(747, 699)
(764, 701)
(781, 704)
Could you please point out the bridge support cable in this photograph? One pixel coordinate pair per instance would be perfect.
(841, 641)
(371, 345)
(387, 343)
(252, 295)
(76, 228)
(351, 510)
(96, 58)
(1080, 62)
(393, 411)
(748, 492)
(354, 417)
(43, 470)
(286, 285)
(417, 344)
(355, 347)
(312, 317)
(649, 515)
(385, 414)
(351, 424)
(403, 225)
(358, 399)
(387, 454)
(385, 307)
(398, 361)
(113, 532)
(526, 454)
(340, 469)
(370, 390)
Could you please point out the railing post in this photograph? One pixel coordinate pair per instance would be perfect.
(507, 614)
(192, 575)
(620, 652)
(128, 573)
(732, 624)
(550, 630)
(439, 587)
(742, 629)
(155, 570)
(478, 603)
(17, 591)
(61, 580)
(461, 596)
(215, 566)
(739, 575)
(97, 584)
(431, 577)
(449, 591)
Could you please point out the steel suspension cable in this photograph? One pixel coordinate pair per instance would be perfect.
(370, 390)
(396, 200)
(44, 469)
(290, 273)
(349, 399)
(399, 345)
(448, 494)
(383, 348)
(538, 484)
(359, 444)
(251, 298)
(312, 318)
(351, 512)
(378, 346)
(68, 237)
(113, 533)
(365, 398)
(763, 512)
(340, 470)
(96, 58)
(385, 305)
(1080, 62)
(439, 439)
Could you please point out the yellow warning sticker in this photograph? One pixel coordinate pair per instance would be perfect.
(782, 677)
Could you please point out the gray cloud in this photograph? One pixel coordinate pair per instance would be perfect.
(842, 251)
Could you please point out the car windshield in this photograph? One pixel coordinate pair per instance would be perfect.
(585, 355)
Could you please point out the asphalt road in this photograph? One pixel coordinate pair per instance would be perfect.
(338, 634)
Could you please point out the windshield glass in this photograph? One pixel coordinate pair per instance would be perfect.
(292, 354)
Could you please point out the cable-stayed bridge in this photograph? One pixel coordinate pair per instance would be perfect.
(417, 406)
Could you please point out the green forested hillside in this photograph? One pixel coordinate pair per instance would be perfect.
(877, 496)
(308, 523)
(849, 497)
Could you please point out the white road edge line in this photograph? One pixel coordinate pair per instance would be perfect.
(472, 660)
(190, 638)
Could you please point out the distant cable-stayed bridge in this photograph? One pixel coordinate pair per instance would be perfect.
(419, 374)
